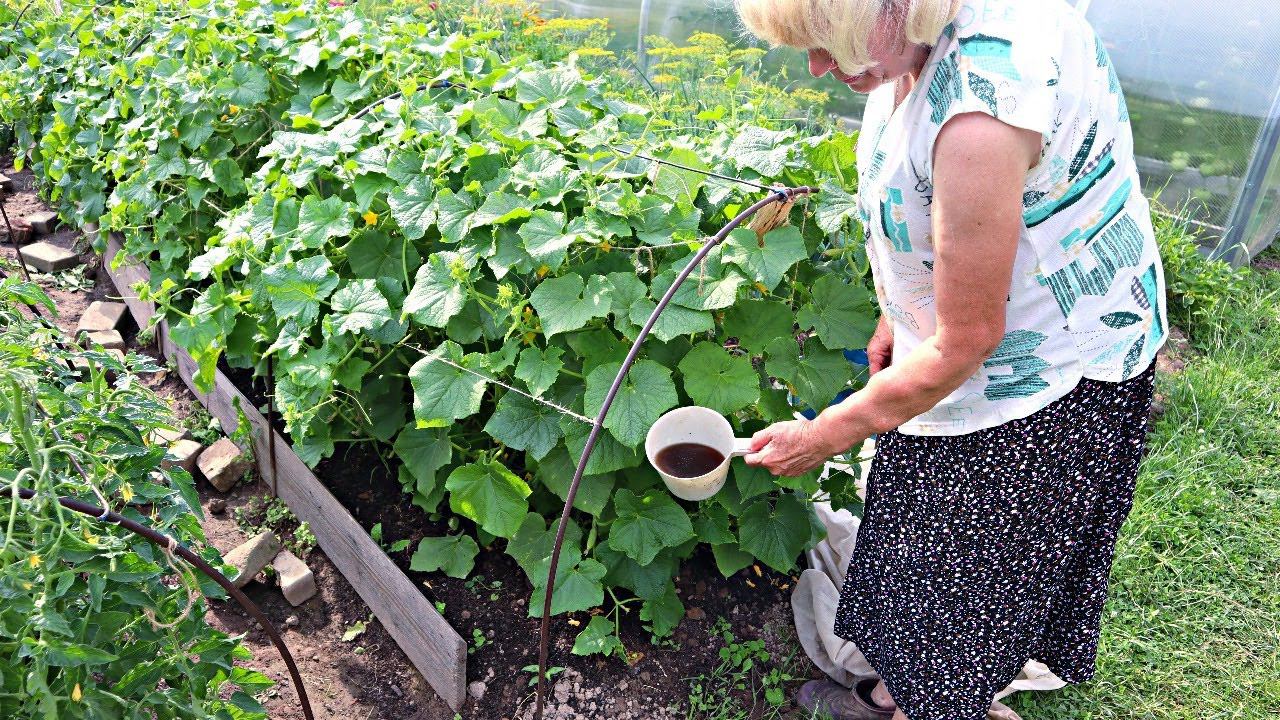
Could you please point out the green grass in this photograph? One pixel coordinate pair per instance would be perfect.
(1192, 628)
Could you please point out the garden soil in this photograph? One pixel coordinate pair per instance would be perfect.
(368, 677)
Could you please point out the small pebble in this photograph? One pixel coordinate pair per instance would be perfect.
(291, 621)
(217, 506)
(466, 614)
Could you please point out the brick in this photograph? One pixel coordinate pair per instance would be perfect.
(107, 339)
(250, 557)
(6, 183)
(43, 223)
(101, 315)
(297, 582)
(222, 464)
(166, 436)
(49, 258)
(183, 454)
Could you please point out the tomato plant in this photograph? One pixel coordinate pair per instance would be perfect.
(416, 214)
(91, 623)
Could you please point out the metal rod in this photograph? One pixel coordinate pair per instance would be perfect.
(1232, 248)
(708, 173)
(777, 195)
(22, 263)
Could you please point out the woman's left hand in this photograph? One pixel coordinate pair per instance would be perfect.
(790, 448)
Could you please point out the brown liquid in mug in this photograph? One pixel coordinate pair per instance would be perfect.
(688, 460)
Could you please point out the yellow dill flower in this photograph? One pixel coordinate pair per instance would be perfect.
(595, 52)
(665, 79)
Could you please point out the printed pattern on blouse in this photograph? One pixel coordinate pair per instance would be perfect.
(1087, 298)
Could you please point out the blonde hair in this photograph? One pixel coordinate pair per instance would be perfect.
(844, 27)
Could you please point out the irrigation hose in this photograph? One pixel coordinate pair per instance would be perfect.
(779, 195)
(166, 542)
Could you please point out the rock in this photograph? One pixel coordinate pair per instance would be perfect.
(43, 223)
(466, 614)
(81, 363)
(183, 454)
(101, 316)
(292, 621)
(217, 506)
(107, 339)
(222, 464)
(49, 258)
(561, 691)
(6, 183)
(696, 613)
(645, 676)
(166, 436)
(476, 690)
(622, 686)
(250, 557)
(297, 582)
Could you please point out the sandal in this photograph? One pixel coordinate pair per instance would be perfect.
(840, 703)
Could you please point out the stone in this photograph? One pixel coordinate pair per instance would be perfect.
(43, 223)
(217, 506)
(166, 436)
(297, 582)
(46, 257)
(696, 613)
(101, 315)
(107, 339)
(183, 454)
(292, 621)
(81, 363)
(250, 557)
(466, 614)
(222, 464)
(6, 183)
(476, 690)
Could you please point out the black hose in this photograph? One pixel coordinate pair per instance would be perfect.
(166, 542)
(779, 195)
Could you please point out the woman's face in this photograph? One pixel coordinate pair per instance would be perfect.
(890, 57)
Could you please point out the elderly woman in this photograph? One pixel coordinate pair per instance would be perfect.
(1012, 369)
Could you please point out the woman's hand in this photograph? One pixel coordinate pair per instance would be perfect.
(790, 448)
(880, 347)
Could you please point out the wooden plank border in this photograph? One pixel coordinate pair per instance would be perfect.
(434, 648)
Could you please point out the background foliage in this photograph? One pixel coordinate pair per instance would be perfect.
(411, 214)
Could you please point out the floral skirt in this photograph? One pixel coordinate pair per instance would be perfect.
(978, 552)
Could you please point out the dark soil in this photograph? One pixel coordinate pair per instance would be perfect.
(494, 601)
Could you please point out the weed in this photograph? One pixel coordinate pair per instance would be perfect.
(745, 671)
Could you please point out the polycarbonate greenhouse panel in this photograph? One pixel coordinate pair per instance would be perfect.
(1202, 89)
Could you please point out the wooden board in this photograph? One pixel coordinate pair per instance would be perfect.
(434, 648)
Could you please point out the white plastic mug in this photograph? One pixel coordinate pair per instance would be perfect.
(701, 425)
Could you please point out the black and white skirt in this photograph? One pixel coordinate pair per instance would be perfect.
(978, 552)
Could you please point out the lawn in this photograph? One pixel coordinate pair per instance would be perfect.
(1192, 629)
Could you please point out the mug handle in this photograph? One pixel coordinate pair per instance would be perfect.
(741, 446)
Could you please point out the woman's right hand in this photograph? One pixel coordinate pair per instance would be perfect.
(880, 347)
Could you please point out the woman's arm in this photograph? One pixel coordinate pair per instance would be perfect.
(980, 167)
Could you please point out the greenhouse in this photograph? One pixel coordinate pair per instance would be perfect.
(730, 360)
